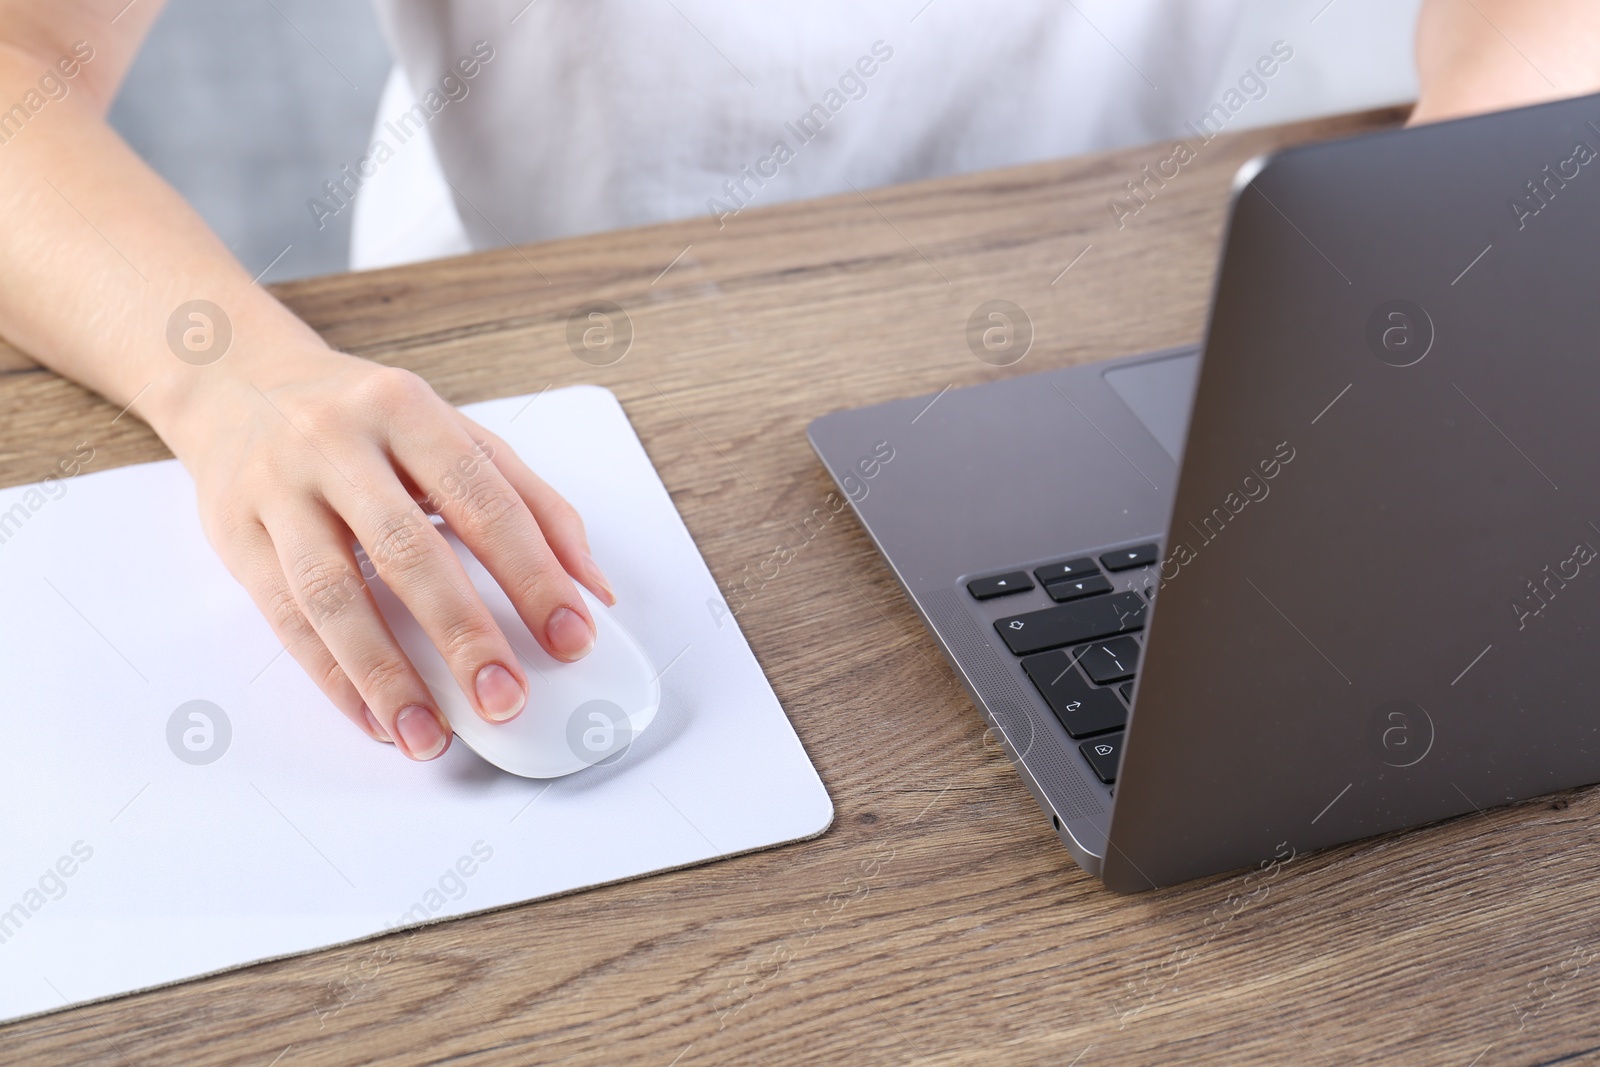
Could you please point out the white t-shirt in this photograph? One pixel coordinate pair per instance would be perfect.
(560, 117)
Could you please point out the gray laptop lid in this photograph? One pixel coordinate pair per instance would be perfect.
(1381, 594)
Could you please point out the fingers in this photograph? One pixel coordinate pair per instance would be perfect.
(255, 564)
(494, 521)
(421, 569)
(387, 440)
(562, 526)
(320, 571)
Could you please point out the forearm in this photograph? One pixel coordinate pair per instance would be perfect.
(98, 253)
(1475, 56)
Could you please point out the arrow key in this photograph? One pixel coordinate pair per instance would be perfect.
(1000, 585)
(1078, 588)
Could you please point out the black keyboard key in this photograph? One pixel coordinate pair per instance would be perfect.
(1076, 589)
(1127, 692)
(1072, 568)
(1104, 755)
(1072, 624)
(1082, 709)
(1124, 558)
(1111, 661)
(1000, 585)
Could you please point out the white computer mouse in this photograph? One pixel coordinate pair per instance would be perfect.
(577, 713)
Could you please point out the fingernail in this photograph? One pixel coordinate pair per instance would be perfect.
(420, 732)
(598, 577)
(374, 725)
(499, 695)
(570, 636)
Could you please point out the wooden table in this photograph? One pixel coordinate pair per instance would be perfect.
(938, 921)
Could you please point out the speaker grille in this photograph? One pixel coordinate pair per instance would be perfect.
(1043, 745)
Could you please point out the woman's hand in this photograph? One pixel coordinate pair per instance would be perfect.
(296, 461)
(298, 452)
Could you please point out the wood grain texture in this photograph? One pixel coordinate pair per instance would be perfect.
(939, 921)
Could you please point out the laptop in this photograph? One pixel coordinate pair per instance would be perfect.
(1334, 573)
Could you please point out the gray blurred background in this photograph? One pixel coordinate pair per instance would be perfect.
(247, 107)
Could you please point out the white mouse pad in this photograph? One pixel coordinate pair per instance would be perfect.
(177, 798)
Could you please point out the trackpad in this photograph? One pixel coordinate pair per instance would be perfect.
(1160, 392)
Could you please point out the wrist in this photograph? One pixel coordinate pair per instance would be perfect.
(195, 399)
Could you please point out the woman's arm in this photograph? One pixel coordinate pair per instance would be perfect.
(1475, 56)
(296, 450)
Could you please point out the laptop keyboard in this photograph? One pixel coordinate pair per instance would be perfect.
(1082, 653)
